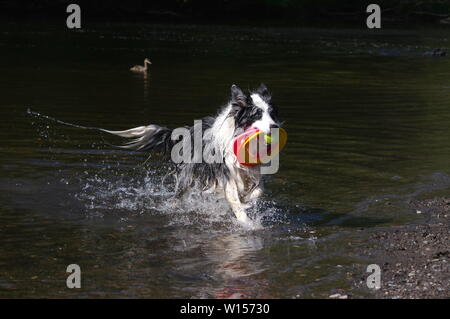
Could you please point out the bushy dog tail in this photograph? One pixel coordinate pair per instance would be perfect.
(152, 138)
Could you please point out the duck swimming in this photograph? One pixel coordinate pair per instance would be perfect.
(140, 68)
(436, 52)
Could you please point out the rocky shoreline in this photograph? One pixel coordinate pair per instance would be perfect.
(414, 259)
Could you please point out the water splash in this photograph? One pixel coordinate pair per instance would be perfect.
(144, 192)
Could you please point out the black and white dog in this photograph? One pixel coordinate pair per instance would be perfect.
(240, 184)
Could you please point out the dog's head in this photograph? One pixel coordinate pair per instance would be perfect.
(254, 110)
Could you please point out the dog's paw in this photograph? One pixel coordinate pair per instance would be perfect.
(242, 217)
(249, 224)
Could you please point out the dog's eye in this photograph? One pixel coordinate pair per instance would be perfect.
(254, 115)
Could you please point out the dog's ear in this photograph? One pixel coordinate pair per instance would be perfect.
(264, 92)
(238, 97)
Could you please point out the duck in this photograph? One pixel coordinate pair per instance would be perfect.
(439, 52)
(436, 52)
(140, 68)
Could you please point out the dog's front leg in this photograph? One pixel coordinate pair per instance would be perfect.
(250, 199)
(232, 196)
(254, 194)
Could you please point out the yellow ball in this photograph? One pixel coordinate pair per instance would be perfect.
(268, 139)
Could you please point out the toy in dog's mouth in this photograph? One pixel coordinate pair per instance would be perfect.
(253, 147)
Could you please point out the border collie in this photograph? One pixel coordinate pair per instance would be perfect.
(240, 184)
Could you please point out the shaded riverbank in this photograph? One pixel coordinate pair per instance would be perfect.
(263, 13)
(414, 258)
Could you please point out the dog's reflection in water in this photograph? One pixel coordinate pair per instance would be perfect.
(237, 264)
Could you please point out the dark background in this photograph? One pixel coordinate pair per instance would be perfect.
(291, 12)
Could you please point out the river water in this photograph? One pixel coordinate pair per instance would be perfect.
(367, 117)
